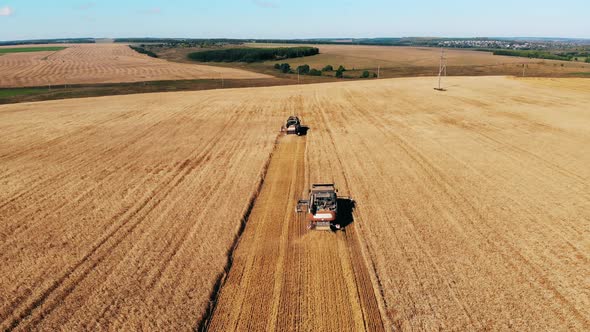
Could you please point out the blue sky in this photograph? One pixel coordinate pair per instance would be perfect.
(29, 19)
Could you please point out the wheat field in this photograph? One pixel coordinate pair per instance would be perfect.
(402, 61)
(472, 208)
(101, 63)
(118, 212)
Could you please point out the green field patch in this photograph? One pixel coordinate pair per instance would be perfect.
(6, 93)
(31, 49)
(580, 74)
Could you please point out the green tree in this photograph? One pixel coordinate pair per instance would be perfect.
(328, 68)
(341, 68)
(303, 69)
(315, 72)
(277, 66)
(588, 59)
(365, 74)
(339, 73)
(285, 68)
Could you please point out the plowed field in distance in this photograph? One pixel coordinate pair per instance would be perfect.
(472, 207)
(101, 63)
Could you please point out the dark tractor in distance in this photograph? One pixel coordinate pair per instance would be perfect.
(293, 126)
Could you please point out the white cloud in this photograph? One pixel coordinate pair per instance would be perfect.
(6, 11)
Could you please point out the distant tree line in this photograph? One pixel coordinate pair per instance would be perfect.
(572, 54)
(285, 68)
(179, 40)
(49, 41)
(142, 50)
(327, 41)
(248, 54)
(406, 41)
(532, 54)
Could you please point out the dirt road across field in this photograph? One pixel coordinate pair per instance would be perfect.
(284, 277)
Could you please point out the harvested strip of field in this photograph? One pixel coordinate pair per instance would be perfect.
(472, 213)
(101, 63)
(285, 277)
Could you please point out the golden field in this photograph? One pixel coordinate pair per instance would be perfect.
(101, 63)
(400, 61)
(472, 208)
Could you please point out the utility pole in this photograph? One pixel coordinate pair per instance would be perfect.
(442, 70)
(523, 69)
(379, 71)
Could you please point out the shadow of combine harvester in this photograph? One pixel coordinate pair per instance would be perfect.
(303, 130)
(346, 207)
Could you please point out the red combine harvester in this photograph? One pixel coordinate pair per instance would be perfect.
(321, 208)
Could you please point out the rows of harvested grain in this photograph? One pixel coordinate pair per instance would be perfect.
(256, 277)
(343, 248)
(472, 206)
(101, 63)
(313, 276)
(113, 226)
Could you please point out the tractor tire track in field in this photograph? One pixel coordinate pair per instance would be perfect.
(284, 277)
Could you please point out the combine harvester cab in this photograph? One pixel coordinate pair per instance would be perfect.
(293, 126)
(321, 208)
